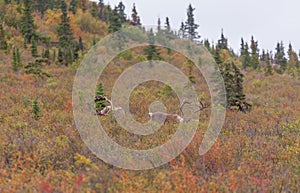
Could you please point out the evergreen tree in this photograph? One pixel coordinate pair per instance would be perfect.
(280, 58)
(25, 43)
(168, 33)
(158, 25)
(101, 13)
(99, 105)
(181, 32)
(3, 44)
(207, 45)
(190, 64)
(73, 6)
(247, 58)
(83, 4)
(190, 25)
(34, 49)
(54, 56)
(245, 55)
(107, 13)
(233, 79)
(151, 51)
(167, 26)
(18, 57)
(136, 21)
(94, 42)
(76, 50)
(27, 22)
(223, 42)
(269, 69)
(114, 21)
(293, 61)
(16, 64)
(263, 56)
(81, 47)
(36, 111)
(65, 36)
(94, 9)
(46, 54)
(242, 49)
(60, 56)
(217, 55)
(121, 12)
(254, 60)
(43, 5)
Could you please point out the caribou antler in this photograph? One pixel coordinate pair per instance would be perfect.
(202, 106)
(106, 109)
(184, 102)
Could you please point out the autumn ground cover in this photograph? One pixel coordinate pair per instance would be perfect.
(255, 152)
(42, 151)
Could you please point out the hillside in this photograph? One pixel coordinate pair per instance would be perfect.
(41, 149)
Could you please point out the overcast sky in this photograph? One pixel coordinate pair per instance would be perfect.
(269, 21)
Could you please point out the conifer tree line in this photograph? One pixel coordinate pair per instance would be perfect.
(69, 48)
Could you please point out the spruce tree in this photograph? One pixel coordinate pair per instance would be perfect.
(135, 19)
(101, 13)
(93, 9)
(217, 55)
(43, 5)
(114, 21)
(293, 61)
(254, 60)
(181, 32)
(27, 22)
(83, 4)
(15, 62)
(223, 42)
(207, 45)
(190, 65)
(121, 12)
(167, 26)
(34, 49)
(107, 13)
(168, 33)
(18, 58)
(269, 69)
(233, 79)
(99, 105)
(247, 58)
(263, 56)
(73, 6)
(151, 52)
(36, 111)
(280, 58)
(239, 96)
(190, 25)
(60, 56)
(3, 44)
(242, 49)
(158, 25)
(46, 54)
(65, 36)
(81, 47)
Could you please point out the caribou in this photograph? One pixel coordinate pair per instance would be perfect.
(154, 116)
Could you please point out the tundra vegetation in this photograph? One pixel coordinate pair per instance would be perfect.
(43, 42)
